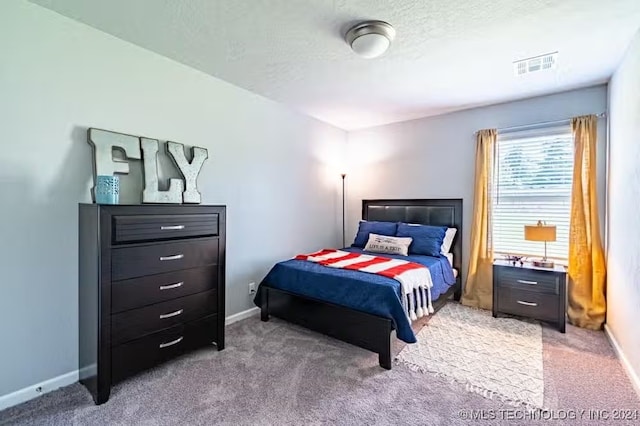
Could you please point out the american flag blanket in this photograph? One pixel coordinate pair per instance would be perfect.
(414, 278)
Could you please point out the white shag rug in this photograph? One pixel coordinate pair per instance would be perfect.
(495, 357)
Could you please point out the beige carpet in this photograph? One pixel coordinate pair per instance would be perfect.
(275, 373)
(495, 357)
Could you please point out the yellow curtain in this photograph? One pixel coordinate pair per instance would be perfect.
(587, 270)
(478, 290)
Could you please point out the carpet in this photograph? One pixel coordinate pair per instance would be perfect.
(495, 357)
(275, 373)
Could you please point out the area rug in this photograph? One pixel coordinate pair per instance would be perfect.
(495, 357)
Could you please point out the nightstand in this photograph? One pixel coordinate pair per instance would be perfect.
(528, 291)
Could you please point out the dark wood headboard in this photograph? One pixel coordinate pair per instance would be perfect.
(437, 212)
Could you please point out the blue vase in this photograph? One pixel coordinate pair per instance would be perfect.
(107, 189)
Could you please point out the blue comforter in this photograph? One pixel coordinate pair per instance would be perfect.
(362, 291)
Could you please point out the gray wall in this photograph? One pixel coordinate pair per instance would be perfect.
(271, 166)
(623, 257)
(434, 157)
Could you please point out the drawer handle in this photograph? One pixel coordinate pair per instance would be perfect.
(171, 314)
(527, 303)
(171, 343)
(170, 286)
(528, 282)
(172, 227)
(174, 257)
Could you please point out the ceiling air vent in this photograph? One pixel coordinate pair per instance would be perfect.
(537, 63)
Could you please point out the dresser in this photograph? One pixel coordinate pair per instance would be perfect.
(151, 286)
(528, 291)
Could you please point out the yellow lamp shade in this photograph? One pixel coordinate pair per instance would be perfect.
(540, 232)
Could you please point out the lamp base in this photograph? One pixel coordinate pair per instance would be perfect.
(542, 263)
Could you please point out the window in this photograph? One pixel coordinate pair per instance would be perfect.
(532, 182)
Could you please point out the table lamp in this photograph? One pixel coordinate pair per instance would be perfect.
(541, 232)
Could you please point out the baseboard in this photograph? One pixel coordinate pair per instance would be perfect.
(242, 315)
(633, 375)
(38, 389)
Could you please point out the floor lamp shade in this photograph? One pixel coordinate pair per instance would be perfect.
(541, 232)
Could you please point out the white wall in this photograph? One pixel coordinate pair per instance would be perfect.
(269, 165)
(434, 157)
(623, 257)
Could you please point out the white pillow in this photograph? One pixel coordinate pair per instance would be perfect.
(448, 240)
(391, 245)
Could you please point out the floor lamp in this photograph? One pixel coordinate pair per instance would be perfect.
(343, 233)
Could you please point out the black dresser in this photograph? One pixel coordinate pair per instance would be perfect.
(151, 286)
(528, 291)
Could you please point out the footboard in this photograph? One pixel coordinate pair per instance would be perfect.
(357, 328)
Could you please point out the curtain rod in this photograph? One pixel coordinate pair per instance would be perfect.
(541, 124)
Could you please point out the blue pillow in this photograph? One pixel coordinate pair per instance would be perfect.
(380, 228)
(427, 239)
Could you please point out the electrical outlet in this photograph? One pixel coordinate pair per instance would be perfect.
(252, 288)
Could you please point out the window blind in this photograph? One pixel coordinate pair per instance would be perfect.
(532, 181)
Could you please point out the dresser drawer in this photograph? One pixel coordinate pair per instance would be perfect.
(136, 323)
(528, 303)
(143, 291)
(528, 279)
(131, 228)
(140, 354)
(131, 262)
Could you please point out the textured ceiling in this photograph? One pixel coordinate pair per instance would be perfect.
(448, 54)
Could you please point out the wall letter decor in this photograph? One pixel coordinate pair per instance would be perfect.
(190, 171)
(104, 142)
(151, 194)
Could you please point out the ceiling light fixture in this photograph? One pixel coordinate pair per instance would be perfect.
(370, 39)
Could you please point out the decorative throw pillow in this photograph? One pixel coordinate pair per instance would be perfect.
(449, 235)
(385, 244)
(380, 228)
(427, 240)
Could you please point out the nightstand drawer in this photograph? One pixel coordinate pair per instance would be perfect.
(528, 280)
(528, 303)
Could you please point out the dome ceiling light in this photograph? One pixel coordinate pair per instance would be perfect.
(370, 39)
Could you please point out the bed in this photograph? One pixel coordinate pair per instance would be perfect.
(313, 296)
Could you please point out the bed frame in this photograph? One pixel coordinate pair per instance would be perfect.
(362, 329)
